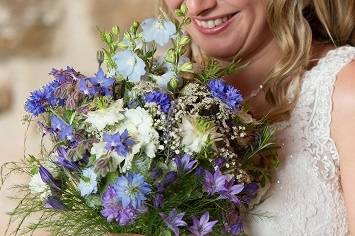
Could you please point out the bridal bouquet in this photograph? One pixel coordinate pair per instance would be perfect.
(146, 145)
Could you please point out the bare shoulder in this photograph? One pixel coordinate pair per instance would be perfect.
(343, 115)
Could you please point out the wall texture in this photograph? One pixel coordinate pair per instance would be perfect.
(36, 35)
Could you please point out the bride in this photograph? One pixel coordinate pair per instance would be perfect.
(301, 73)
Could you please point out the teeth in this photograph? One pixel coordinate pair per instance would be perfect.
(209, 24)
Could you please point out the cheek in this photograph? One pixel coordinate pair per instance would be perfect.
(173, 4)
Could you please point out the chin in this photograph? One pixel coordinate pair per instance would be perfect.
(221, 51)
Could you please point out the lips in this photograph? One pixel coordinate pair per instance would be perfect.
(214, 25)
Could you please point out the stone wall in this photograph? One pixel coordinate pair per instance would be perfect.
(36, 35)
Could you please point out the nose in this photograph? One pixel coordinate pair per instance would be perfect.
(200, 7)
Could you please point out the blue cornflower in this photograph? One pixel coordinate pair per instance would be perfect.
(159, 98)
(160, 31)
(214, 183)
(39, 100)
(130, 65)
(48, 178)
(64, 131)
(185, 164)
(202, 226)
(121, 143)
(114, 210)
(132, 189)
(102, 83)
(228, 94)
(174, 220)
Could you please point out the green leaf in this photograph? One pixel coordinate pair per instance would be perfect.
(166, 233)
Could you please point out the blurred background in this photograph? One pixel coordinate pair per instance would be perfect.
(35, 36)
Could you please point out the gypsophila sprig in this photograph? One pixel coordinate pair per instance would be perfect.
(136, 148)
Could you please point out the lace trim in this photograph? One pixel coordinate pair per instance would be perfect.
(316, 102)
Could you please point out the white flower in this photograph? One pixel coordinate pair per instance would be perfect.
(101, 118)
(193, 139)
(37, 186)
(139, 124)
(88, 182)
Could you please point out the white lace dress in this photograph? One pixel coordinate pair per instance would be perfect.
(306, 197)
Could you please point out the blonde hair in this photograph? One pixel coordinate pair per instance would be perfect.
(295, 25)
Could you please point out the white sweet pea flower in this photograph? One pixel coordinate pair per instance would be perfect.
(37, 186)
(101, 118)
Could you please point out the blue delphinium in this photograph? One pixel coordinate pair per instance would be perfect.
(159, 98)
(160, 31)
(227, 93)
(132, 189)
(174, 220)
(88, 182)
(130, 65)
(214, 183)
(102, 83)
(202, 226)
(114, 210)
(120, 143)
(62, 129)
(185, 164)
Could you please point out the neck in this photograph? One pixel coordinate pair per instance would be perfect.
(260, 62)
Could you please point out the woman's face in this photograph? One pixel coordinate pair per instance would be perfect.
(223, 28)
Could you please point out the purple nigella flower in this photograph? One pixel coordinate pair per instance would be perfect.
(202, 227)
(63, 161)
(159, 98)
(156, 173)
(132, 190)
(48, 178)
(54, 203)
(227, 93)
(60, 127)
(185, 164)
(234, 225)
(114, 210)
(249, 192)
(219, 162)
(214, 183)
(102, 82)
(231, 191)
(200, 171)
(120, 143)
(174, 220)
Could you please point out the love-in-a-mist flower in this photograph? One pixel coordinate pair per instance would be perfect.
(158, 30)
(202, 226)
(38, 186)
(226, 93)
(88, 182)
(129, 65)
(132, 189)
(174, 220)
(120, 143)
(185, 163)
(114, 210)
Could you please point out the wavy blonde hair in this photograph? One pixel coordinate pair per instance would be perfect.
(295, 25)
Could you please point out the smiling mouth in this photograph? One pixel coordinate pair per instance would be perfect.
(213, 23)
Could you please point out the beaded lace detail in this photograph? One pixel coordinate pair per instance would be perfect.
(306, 198)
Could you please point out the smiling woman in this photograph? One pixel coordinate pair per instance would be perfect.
(296, 50)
